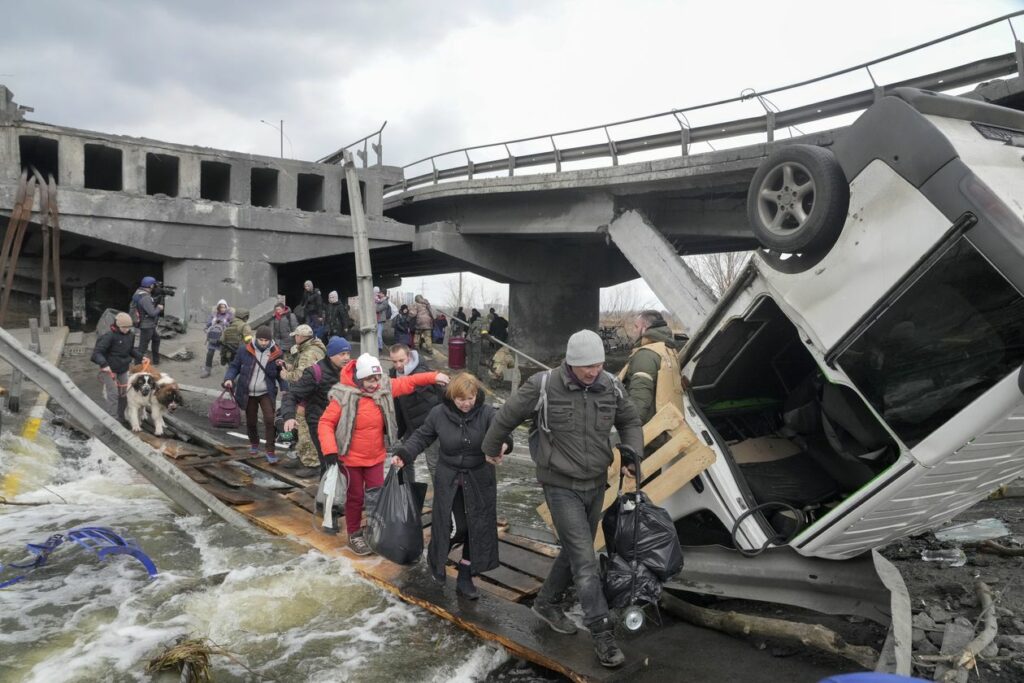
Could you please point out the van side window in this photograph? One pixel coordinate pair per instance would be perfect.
(953, 334)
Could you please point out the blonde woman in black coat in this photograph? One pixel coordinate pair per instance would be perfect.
(465, 488)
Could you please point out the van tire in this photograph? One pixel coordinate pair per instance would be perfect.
(798, 200)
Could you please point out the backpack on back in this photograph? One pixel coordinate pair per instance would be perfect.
(214, 333)
(133, 310)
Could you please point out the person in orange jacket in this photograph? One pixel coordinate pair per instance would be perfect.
(359, 418)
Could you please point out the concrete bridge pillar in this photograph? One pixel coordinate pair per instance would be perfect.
(542, 315)
(201, 283)
(554, 285)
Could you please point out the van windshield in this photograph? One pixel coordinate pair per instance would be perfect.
(955, 332)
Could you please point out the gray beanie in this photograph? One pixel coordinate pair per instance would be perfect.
(584, 348)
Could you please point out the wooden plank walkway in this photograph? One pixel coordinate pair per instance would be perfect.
(501, 615)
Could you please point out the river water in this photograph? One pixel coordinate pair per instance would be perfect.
(283, 612)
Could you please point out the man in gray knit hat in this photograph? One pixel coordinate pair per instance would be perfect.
(573, 408)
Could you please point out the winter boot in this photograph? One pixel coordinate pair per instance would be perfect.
(438, 576)
(122, 405)
(605, 647)
(207, 370)
(464, 584)
(553, 616)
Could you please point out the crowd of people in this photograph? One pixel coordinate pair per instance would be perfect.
(352, 413)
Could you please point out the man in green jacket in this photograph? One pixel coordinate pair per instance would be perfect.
(652, 375)
(574, 408)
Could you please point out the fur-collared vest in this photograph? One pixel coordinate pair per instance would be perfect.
(348, 398)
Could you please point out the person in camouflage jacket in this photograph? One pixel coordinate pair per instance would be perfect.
(306, 351)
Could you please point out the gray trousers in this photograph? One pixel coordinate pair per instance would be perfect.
(114, 397)
(575, 515)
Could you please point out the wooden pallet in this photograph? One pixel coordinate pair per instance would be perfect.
(672, 466)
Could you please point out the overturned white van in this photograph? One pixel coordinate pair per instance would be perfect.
(860, 382)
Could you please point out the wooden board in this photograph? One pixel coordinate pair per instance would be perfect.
(524, 561)
(517, 581)
(229, 495)
(173, 448)
(488, 586)
(260, 463)
(226, 474)
(303, 500)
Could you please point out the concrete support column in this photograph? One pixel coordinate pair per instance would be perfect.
(188, 176)
(201, 283)
(70, 162)
(542, 316)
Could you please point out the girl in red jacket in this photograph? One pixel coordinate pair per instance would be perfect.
(352, 430)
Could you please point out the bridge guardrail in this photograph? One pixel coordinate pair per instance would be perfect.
(684, 135)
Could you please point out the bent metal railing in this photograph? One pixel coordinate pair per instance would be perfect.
(683, 135)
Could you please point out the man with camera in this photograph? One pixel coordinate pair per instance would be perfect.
(145, 312)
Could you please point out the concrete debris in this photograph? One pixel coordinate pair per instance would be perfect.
(923, 621)
(182, 354)
(1012, 643)
(938, 614)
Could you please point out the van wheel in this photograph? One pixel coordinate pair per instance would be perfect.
(798, 200)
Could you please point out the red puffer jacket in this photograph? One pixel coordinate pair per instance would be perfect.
(367, 446)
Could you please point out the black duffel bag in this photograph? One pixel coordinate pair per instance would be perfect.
(394, 529)
(634, 527)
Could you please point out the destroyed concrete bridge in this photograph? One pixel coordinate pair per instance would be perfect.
(542, 217)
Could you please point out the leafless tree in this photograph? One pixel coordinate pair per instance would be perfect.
(719, 270)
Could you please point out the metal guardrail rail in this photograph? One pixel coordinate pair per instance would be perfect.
(683, 135)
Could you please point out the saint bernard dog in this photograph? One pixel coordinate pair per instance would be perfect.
(153, 391)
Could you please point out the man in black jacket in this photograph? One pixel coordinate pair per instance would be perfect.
(114, 352)
(312, 388)
(411, 410)
(146, 313)
(313, 307)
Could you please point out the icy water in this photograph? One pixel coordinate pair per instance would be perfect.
(285, 613)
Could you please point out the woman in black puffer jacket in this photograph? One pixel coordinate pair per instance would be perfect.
(465, 488)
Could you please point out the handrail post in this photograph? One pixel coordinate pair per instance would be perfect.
(611, 147)
(1019, 50)
(469, 165)
(878, 90)
(511, 161)
(769, 117)
(558, 154)
(684, 132)
(434, 166)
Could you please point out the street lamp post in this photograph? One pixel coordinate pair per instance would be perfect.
(280, 129)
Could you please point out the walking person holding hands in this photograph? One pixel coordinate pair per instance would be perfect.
(464, 510)
(357, 428)
(574, 407)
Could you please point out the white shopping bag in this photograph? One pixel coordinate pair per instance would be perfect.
(331, 493)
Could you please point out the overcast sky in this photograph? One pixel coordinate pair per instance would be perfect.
(445, 74)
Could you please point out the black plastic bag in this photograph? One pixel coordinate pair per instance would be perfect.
(655, 543)
(393, 519)
(620, 589)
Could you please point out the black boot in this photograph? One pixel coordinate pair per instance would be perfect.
(464, 584)
(605, 647)
(122, 405)
(438, 575)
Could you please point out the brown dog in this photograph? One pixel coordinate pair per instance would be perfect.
(152, 391)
